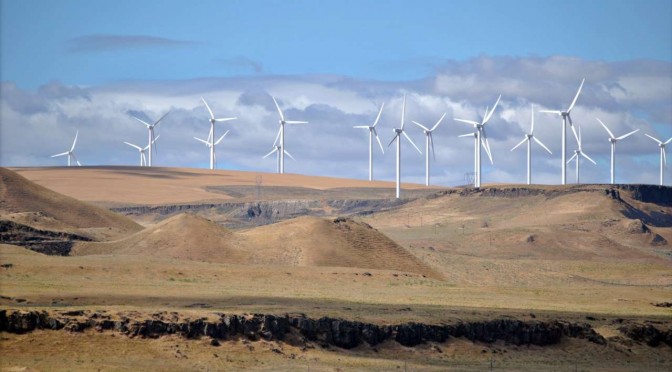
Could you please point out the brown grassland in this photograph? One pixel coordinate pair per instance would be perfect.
(546, 252)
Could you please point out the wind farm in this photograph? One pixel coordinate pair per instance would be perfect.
(244, 194)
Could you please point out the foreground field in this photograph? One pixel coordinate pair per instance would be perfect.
(574, 253)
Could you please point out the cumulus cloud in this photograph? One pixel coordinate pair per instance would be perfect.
(105, 42)
(625, 95)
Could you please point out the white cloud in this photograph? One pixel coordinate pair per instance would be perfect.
(626, 96)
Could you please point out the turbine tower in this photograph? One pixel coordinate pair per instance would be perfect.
(372, 132)
(663, 158)
(528, 137)
(429, 140)
(281, 134)
(481, 137)
(566, 117)
(143, 158)
(211, 145)
(398, 132)
(211, 137)
(613, 141)
(577, 154)
(70, 153)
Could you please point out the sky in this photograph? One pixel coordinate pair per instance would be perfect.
(89, 66)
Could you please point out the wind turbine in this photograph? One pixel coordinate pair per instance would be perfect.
(281, 134)
(372, 132)
(480, 136)
(429, 140)
(277, 149)
(211, 145)
(663, 158)
(398, 132)
(152, 138)
(71, 152)
(211, 137)
(143, 159)
(577, 154)
(613, 141)
(528, 137)
(565, 117)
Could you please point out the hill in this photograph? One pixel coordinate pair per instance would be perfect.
(305, 241)
(48, 209)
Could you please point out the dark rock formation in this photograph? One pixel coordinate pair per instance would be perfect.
(647, 333)
(325, 331)
(56, 243)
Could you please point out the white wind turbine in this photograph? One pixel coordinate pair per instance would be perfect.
(528, 137)
(398, 132)
(211, 137)
(613, 141)
(565, 117)
(663, 158)
(71, 152)
(211, 145)
(429, 140)
(480, 137)
(151, 137)
(276, 149)
(281, 134)
(577, 154)
(143, 159)
(372, 132)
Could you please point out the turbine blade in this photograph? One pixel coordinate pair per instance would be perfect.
(572, 158)
(655, 139)
(212, 116)
(277, 136)
(551, 112)
(379, 112)
(270, 153)
(588, 157)
(431, 142)
(576, 136)
(668, 141)
(420, 125)
(288, 154)
(486, 146)
(489, 115)
(362, 126)
(221, 138)
(156, 139)
(403, 112)
(394, 138)
(629, 134)
(378, 139)
(225, 119)
(576, 96)
(605, 127)
(61, 154)
(466, 135)
(282, 117)
(411, 141)
(438, 122)
(532, 115)
(204, 141)
(467, 121)
(76, 160)
(74, 142)
(519, 143)
(132, 145)
(142, 121)
(161, 118)
(664, 157)
(542, 145)
(295, 122)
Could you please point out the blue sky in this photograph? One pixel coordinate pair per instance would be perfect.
(81, 65)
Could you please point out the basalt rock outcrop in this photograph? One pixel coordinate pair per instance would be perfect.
(297, 329)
